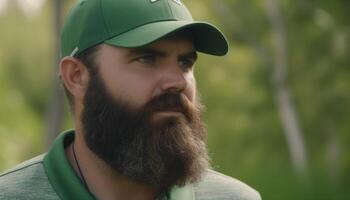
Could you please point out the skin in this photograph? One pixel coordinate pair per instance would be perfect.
(136, 76)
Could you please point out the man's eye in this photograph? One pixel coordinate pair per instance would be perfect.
(186, 63)
(147, 59)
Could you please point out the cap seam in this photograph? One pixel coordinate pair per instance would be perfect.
(169, 8)
(139, 26)
(112, 36)
(104, 19)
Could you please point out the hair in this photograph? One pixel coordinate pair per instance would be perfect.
(88, 58)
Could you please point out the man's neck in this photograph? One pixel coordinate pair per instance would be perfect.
(102, 181)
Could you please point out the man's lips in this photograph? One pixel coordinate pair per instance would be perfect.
(170, 112)
(173, 109)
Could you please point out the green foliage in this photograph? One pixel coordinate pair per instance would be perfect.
(245, 134)
(25, 60)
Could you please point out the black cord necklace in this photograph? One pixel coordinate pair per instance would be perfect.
(80, 172)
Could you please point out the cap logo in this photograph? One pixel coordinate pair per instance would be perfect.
(176, 1)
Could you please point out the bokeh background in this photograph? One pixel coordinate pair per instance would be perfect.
(277, 104)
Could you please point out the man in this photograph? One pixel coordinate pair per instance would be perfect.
(127, 70)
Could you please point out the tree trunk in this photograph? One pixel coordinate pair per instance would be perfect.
(287, 110)
(56, 105)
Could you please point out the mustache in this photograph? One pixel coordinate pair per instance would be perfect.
(171, 102)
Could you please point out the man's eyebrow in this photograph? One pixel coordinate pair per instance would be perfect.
(191, 55)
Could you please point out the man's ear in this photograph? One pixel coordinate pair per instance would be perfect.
(75, 76)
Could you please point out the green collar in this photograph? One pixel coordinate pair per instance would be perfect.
(68, 185)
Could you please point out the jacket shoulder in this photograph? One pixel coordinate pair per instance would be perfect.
(215, 185)
(22, 166)
(27, 180)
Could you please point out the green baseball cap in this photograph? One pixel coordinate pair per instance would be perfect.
(134, 23)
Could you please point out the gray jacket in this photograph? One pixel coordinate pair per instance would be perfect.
(29, 181)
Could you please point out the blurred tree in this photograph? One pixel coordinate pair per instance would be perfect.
(287, 110)
(56, 105)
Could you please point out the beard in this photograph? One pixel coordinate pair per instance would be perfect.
(166, 153)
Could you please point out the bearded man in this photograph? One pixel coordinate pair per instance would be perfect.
(127, 70)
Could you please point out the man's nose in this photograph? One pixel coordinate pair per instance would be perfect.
(173, 79)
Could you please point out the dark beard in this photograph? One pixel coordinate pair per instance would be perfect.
(164, 154)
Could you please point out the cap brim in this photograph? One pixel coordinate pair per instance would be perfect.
(207, 38)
